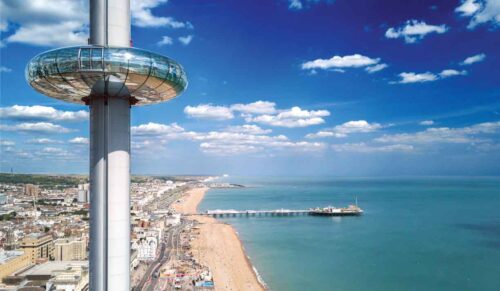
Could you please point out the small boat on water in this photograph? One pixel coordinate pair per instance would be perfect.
(351, 210)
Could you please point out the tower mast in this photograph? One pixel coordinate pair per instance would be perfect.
(109, 159)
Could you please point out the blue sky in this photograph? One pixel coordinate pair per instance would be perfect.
(356, 88)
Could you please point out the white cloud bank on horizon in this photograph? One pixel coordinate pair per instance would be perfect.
(468, 134)
(233, 140)
(365, 148)
(414, 30)
(343, 130)
(36, 127)
(79, 140)
(43, 141)
(38, 112)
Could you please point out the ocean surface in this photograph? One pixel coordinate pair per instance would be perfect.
(415, 234)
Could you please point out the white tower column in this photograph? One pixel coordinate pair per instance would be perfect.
(109, 161)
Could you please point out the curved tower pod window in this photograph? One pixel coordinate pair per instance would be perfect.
(71, 74)
(85, 59)
(67, 60)
(96, 59)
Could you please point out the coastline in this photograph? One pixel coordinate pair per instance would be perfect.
(218, 246)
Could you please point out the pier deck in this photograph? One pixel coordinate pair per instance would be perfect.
(275, 212)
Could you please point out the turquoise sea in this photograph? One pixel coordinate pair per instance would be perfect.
(415, 234)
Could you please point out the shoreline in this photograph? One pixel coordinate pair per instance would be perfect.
(219, 247)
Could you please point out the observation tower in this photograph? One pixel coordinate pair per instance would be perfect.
(109, 76)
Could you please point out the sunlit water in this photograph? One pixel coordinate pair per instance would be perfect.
(415, 234)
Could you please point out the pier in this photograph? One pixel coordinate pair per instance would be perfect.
(327, 211)
(234, 213)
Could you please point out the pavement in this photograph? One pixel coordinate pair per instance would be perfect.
(169, 244)
(169, 247)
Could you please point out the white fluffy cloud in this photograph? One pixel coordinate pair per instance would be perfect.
(79, 140)
(185, 40)
(38, 112)
(258, 107)
(207, 111)
(414, 30)
(365, 148)
(68, 33)
(249, 129)
(55, 153)
(343, 130)
(410, 77)
(155, 129)
(480, 12)
(450, 73)
(65, 22)
(301, 4)
(376, 68)
(469, 134)
(165, 40)
(5, 69)
(426, 122)
(4, 26)
(142, 15)
(468, 7)
(473, 59)
(37, 127)
(263, 112)
(46, 22)
(339, 62)
(295, 4)
(7, 143)
(43, 141)
(293, 117)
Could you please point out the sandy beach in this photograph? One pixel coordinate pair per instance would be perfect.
(219, 247)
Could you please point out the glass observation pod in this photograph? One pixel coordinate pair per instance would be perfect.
(75, 73)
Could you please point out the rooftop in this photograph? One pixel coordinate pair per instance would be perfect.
(6, 256)
(49, 267)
